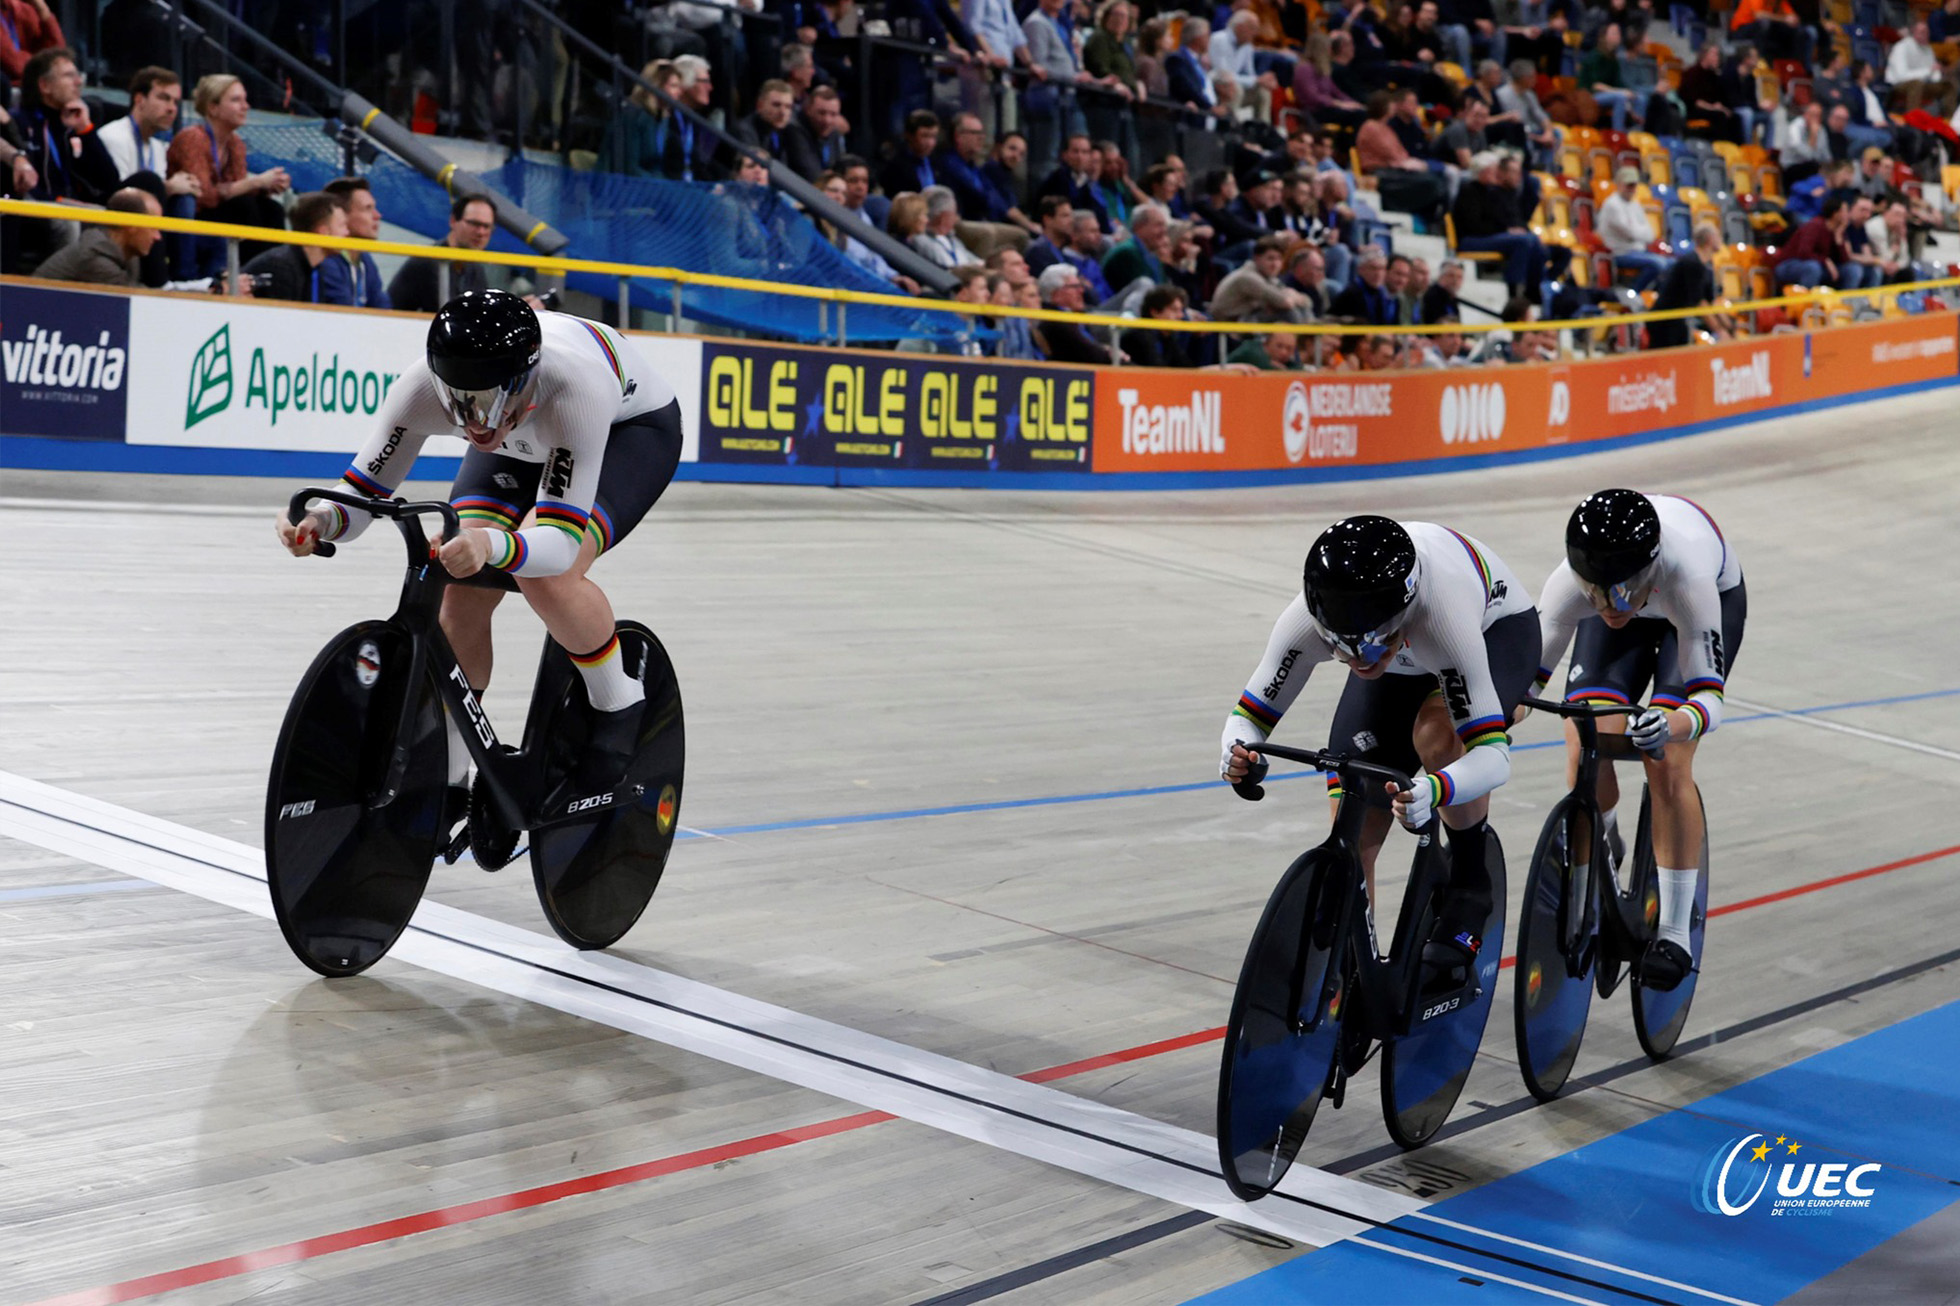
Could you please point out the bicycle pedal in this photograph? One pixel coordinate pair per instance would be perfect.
(456, 847)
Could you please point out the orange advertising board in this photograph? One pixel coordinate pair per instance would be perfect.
(1168, 421)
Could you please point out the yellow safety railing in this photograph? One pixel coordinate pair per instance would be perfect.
(683, 277)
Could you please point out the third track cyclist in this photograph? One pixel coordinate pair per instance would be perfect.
(1441, 641)
(1654, 593)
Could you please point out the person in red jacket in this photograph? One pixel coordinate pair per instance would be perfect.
(27, 27)
(1814, 254)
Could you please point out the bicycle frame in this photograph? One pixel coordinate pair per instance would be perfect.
(507, 773)
(1389, 988)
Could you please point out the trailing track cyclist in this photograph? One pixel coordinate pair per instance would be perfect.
(1441, 640)
(1650, 591)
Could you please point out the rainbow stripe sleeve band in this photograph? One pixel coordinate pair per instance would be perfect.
(515, 552)
(365, 484)
(566, 518)
(1484, 730)
(1442, 789)
(1255, 710)
(1697, 719)
(482, 509)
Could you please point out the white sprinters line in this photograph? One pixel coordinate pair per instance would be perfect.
(1477, 1272)
(1582, 1260)
(1839, 728)
(1042, 1123)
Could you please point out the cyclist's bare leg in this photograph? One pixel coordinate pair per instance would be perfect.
(1676, 816)
(1607, 788)
(576, 612)
(1437, 745)
(466, 614)
(1374, 829)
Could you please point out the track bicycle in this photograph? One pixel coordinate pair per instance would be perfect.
(358, 806)
(1580, 934)
(1315, 999)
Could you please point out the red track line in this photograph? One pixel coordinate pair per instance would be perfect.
(444, 1217)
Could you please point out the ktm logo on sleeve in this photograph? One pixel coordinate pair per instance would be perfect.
(1456, 692)
(558, 474)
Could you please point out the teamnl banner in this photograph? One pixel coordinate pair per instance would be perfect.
(209, 372)
(824, 408)
(1185, 422)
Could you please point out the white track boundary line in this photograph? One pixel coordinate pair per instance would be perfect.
(1575, 1257)
(1839, 728)
(1031, 1120)
(1372, 1245)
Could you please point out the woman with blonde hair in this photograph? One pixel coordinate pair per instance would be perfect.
(213, 151)
(908, 216)
(637, 135)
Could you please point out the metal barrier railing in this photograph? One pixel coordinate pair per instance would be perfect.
(626, 273)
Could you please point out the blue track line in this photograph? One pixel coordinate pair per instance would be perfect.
(1154, 791)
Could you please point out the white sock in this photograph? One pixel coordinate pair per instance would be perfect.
(1677, 904)
(607, 686)
(459, 752)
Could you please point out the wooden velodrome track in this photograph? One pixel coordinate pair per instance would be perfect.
(900, 1026)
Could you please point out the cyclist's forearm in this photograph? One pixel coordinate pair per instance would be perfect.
(1479, 771)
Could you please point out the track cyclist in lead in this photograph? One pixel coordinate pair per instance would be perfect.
(1654, 593)
(572, 437)
(1441, 642)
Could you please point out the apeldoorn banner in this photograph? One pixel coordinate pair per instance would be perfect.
(818, 408)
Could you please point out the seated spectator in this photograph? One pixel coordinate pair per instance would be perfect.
(1889, 232)
(1538, 34)
(1706, 98)
(1689, 283)
(292, 272)
(1253, 293)
(907, 218)
(1837, 123)
(1814, 253)
(1527, 344)
(1944, 22)
(770, 126)
(990, 218)
(1600, 73)
(1161, 348)
(1444, 349)
(1375, 353)
(1011, 267)
(1306, 274)
(1276, 352)
(695, 151)
(1862, 269)
(1255, 207)
(1406, 183)
(1219, 210)
(67, 155)
(938, 240)
(1487, 221)
(1355, 77)
(417, 288)
(1867, 124)
(349, 276)
(1740, 92)
(27, 28)
(1234, 52)
(1465, 137)
(1113, 188)
(1007, 168)
(1914, 72)
(1057, 220)
(1368, 298)
(1085, 255)
(1412, 291)
(1076, 177)
(1627, 230)
(213, 151)
(635, 140)
(103, 255)
(1016, 333)
(1873, 179)
(817, 137)
(1806, 199)
(1298, 211)
(1189, 70)
(873, 209)
(1141, 257)
(1065, 342)
(140, 140)
(1164, 184)
(911, 166)
(1806, 146)
(1314, 89)
(1440, 300)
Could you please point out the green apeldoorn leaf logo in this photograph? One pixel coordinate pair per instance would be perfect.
(210, 381)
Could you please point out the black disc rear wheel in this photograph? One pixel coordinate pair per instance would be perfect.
(346, 861)
(1424, 1070)
(595, 877)
(1659, 1016)
(1557, 948)
(1285, 1026)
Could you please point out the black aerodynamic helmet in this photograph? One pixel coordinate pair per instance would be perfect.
(1361, 577)
(1612, 537)
(483, 348)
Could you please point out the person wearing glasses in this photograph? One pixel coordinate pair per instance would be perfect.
(417, 288)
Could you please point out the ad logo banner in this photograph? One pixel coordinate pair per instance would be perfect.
(64, 360)
(1762, 1174)
(811, 408)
